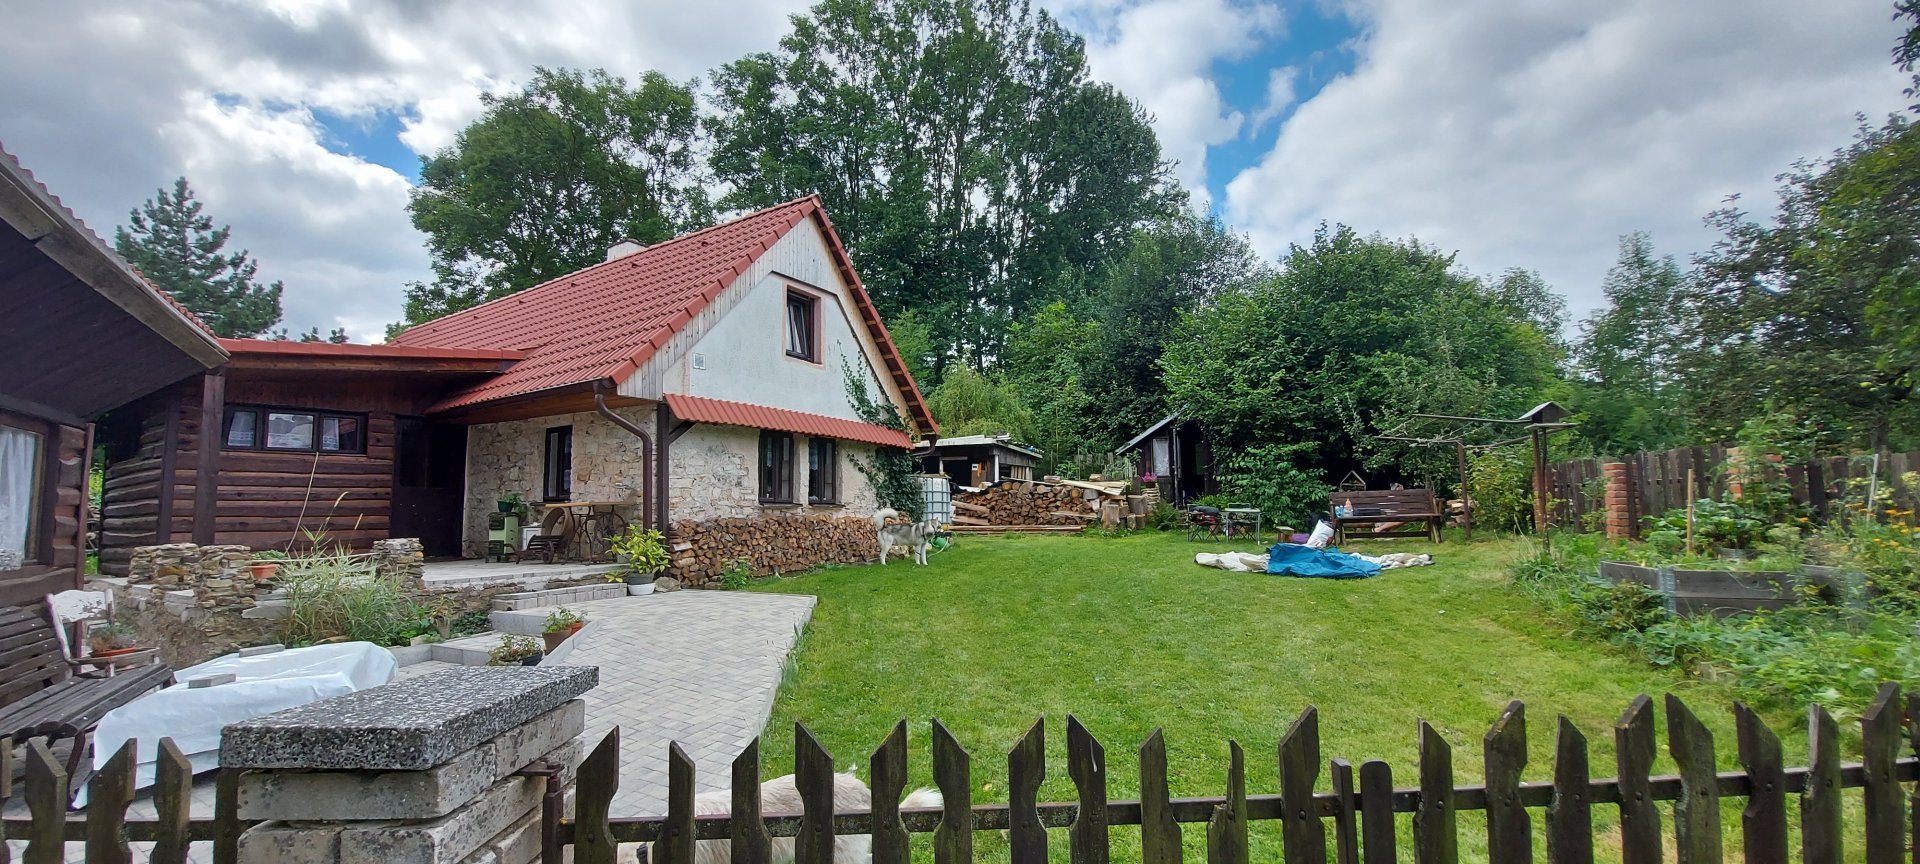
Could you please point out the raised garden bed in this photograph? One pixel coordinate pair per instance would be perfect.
(1723, 592)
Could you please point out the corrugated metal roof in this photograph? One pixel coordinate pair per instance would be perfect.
(604, 321)
(728, 413)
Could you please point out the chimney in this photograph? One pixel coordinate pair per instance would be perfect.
(626, 246)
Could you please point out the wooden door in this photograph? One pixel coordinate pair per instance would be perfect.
(429, 484)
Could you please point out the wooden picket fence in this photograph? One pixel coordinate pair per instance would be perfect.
(105, 828)
(1657, 482)
(1362, 815)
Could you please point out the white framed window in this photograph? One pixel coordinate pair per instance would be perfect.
(21, 456)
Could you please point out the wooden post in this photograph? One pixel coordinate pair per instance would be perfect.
(1087, 765)
(1026, 767)
(1570, 814)
(1880, 749)
(1509, 829)
(1540, 491)
(1378, 842)
(1690, 549)
(1820, 802)
(888, 768)
(1227, 829)
(953, 838)
(1764, 821)
(748, 840)
(1434, 840)
(1466, 497)
(1696, 813)
(1159, 833)
(206, 466)
(675, 844)
(1633, 755)
(813, 780)
(1304, 838)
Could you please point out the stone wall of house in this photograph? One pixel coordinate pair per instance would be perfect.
(786, 543)
(714, 473)
(509, 457)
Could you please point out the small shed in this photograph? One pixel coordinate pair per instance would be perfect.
(977, 460)
(1176, 455)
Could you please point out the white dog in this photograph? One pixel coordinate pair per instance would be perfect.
(780, 796)
(917, 536)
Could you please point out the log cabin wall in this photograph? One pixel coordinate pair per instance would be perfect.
(264, 499)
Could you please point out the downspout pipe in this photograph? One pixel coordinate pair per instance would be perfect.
(647, 470)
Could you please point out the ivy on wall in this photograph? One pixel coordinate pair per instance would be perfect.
(891, 471)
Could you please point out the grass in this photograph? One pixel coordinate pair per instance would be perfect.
(1128, 634)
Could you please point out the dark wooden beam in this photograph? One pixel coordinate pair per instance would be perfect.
(169, 454)
(206, 468)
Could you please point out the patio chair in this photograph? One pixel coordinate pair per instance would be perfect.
(556, 531)
(1202, 522)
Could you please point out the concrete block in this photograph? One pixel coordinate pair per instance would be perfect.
(280, 843)
(309, 796)
(450, 838)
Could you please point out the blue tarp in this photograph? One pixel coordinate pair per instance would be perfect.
(1293, 559)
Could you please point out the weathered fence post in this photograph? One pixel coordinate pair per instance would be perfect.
(1227, 828)
(1087, 765)
(675, 844)
(1378, 842)
(1570, 813)
(1434, 837)
(1763, 823)
(813, 779)
(1159, 833)
(1303, 838)
(1026, 767)
(747, 838)
(1509, 830)
(1346, 840)
(1880, 749)
(953, 839)
(1633, 756)
(1820, 803)
(172, 804)
(424, 769)
(888, 770)
(108, 794)
(47, 797)
(1696, 813)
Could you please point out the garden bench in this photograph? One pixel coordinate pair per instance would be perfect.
(43, 694)
(1390, 507)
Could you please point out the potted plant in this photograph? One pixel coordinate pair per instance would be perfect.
(266, 562)
(511, 502)
(644, 552)
(561, 624)
(515, 651)
(112, 639)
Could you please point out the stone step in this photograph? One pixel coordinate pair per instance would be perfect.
(558, 596)
(470, 651)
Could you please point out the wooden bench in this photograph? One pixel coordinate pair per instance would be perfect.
(1385, 506)
(42, 693)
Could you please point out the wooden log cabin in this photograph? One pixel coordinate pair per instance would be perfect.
(314, 442)
(83, 334)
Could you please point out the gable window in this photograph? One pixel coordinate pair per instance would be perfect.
(20, 479)
(823, 471)
(556, 477)
(803, 326)
(776, 468)
(256, 428)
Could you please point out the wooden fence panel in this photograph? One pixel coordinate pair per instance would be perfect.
(599, 779)
(173, 804)
(1820, 801)
(1159, 833)
(747, 839)
(888, 768)
(1435, 840)
(1880, 748)
(1696, 813)
(47, 797)
(952, 774)
(676, 842)
(1378, 839)
(108, 794)
(1346, 843)
(813, 780)
(1303, 837)
(1633, 754)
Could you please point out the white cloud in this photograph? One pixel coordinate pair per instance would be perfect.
(1533, 134)
(1280, 96)
(1161, 53)
(107, 101)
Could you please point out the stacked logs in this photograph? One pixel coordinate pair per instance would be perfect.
(773, 544)
(1026, 503)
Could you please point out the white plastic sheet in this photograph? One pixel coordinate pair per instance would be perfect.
(263, 684)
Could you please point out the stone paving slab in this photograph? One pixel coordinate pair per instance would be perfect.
(698, 667)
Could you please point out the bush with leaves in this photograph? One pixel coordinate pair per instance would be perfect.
(1266, 477)
(1500, 482)
(892, 471)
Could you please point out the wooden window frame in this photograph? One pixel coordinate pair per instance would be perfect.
(775, 467)
(548, 475)
(823, 484)
(319, 415)
(811, 301)
(46, 482)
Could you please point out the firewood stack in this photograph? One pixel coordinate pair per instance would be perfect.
(1028, 503)
(785, 544)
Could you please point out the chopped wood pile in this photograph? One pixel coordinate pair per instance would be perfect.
(1065, 504)
(781, 544)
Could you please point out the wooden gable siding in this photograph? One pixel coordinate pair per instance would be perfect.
(263, 499)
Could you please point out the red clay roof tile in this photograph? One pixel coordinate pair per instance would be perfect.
(700, 409)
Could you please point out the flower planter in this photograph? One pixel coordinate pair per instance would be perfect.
(533, 660)
(640, 589)
(263, 570)
(554, 638)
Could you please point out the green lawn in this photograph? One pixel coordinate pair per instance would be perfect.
(1129, 634)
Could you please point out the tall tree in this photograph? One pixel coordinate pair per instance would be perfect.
(171, 239)
(1625, 393)
(964, 153)
(551, 176)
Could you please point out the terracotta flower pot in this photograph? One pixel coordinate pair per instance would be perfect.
(115, 652)
(555, 638)
(264, 570)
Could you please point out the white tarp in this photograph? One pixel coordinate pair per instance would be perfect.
(262, 684)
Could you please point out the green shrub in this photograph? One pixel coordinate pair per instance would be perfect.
(331, 593)
(643, 550)
(1501, 484)
(1266, 477)
(738, 575)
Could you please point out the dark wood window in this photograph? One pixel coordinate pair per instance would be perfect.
(803, 326)
(823, 471)
(776, 468)
(251, 427)
(556, 480)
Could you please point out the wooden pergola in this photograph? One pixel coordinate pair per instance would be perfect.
(1480, 434)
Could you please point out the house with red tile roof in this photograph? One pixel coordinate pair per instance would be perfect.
(705, 377)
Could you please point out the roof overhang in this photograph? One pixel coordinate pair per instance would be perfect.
(700, 409)
(1147, 434)
(281, 355)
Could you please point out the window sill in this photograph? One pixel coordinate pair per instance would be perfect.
(826, 505)
(778, 505)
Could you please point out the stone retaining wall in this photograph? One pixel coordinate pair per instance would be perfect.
(772, 544)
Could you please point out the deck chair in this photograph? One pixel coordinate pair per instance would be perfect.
(556, 532)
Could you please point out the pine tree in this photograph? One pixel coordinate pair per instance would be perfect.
(174, 243)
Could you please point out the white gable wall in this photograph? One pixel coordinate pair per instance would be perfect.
(740, 339)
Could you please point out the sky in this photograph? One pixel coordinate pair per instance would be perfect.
(1514, 133)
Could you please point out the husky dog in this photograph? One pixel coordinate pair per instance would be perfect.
(779, 795)
(917, 536)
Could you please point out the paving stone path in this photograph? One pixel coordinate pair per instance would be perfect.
(697, 667)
